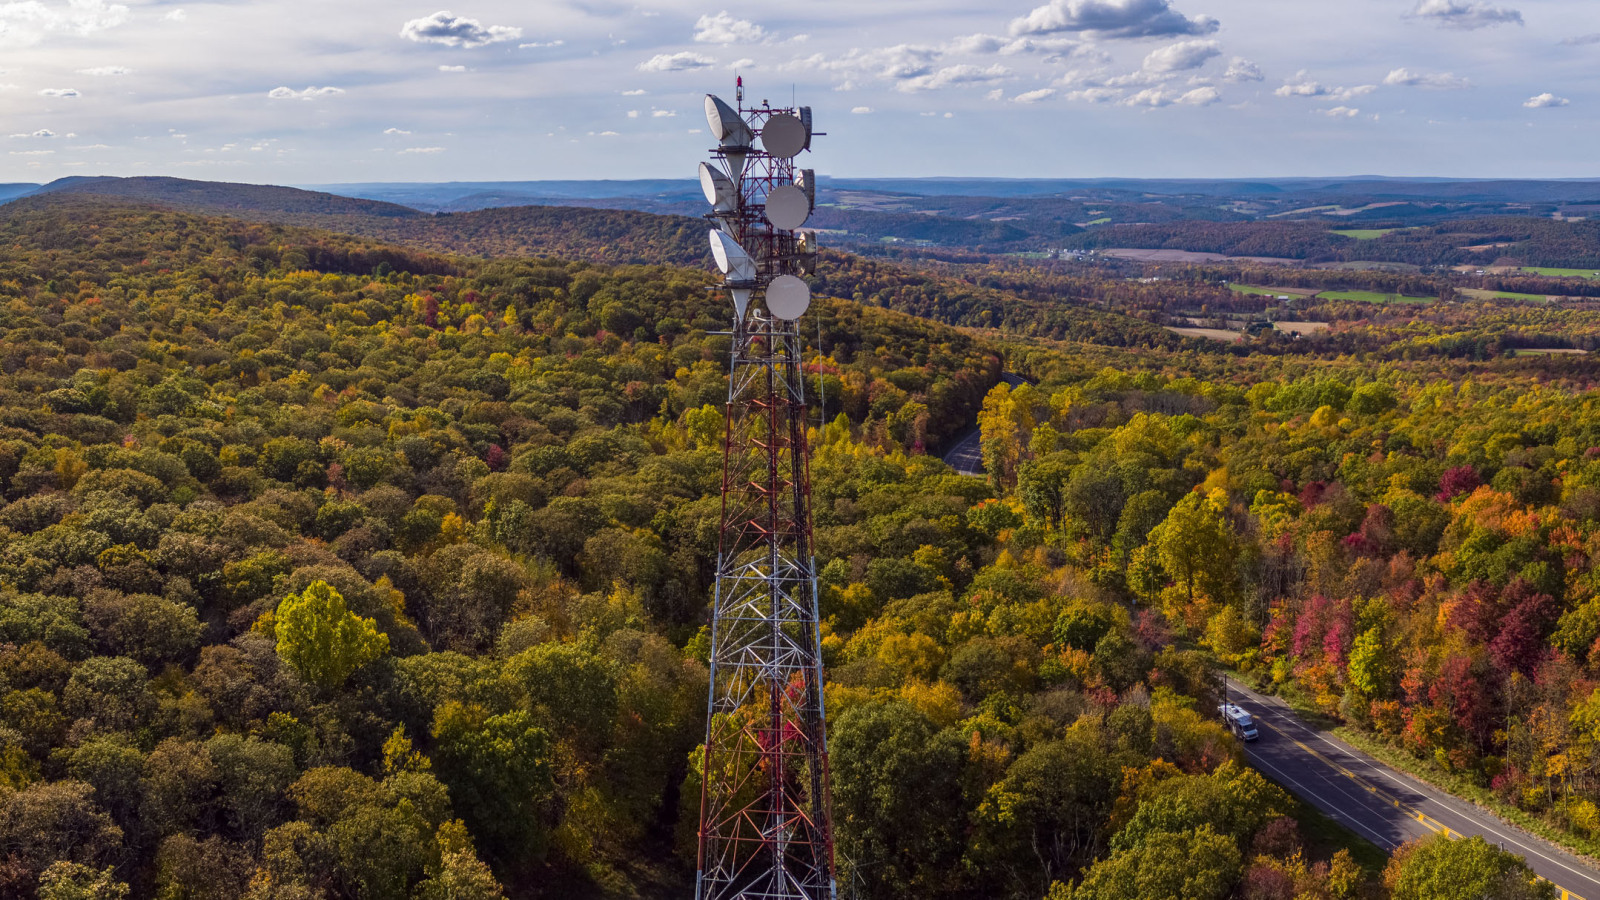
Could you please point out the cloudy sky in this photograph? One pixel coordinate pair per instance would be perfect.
(313, 91)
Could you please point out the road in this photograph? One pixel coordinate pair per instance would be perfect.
(1381, 804)
(966, 457)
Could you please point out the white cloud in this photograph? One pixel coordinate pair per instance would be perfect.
(1303, 86)
(106, 70)
(395, 131)
(1582, 40)
(1181, 57)
(1093, 95)
(898, 63)
(1546, 100)
(745, 63)
(176, 15)
(663, 114)
(534, 45)
(26, 22)
(452, 68)
(1157, 97)
(1112, 19)
(60, 92)
(310, 93)
(1034, 96)
(634, 93)
(421, 150)
(676, 62)
(1242, 70)
(725, 29)
(1437, 80)
(31, 152)
(1465, 13)
(456, 31)
(633, 114)
(955, 75)
(1340, 112)
(977, 44)
(862, 111)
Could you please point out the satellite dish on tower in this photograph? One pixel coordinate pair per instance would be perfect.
(731, 258)
(787, 207)
(788, 297)
(784, 136)
(806, 180)
(726, 125)
(721, 192)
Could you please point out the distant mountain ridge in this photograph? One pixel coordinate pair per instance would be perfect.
(219, 196)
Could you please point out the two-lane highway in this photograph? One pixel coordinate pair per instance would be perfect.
(1383, 805)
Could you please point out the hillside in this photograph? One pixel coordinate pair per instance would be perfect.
(504, 470)
(236, 199)
(599, 235)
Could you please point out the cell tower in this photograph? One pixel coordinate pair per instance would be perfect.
(766, 825)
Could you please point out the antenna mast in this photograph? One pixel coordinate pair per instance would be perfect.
(766, 823)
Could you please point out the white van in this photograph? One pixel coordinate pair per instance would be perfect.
(1239, 721)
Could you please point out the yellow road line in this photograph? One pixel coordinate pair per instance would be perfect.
(1429, 823)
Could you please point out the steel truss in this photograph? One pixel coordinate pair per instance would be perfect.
(765, 823)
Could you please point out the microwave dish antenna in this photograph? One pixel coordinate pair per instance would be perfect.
(788, 207)
(788, 297)
(784, 136)
(720, 191)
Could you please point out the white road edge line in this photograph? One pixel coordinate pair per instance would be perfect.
(1384, 771)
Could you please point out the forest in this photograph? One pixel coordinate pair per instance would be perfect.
(336, 569)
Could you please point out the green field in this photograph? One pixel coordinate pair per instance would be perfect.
(1252, 289)
(1100, 221)
(1562, 273)
(1371, 297)
(1364, 234)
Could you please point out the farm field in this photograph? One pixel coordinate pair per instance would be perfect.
(1562, 273)
(1364, 234)
(1372, 297)
(1481, 294)
(1215, 334)
(1301, 327)
(1272, 291)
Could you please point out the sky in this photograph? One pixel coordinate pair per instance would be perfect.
(330, 91)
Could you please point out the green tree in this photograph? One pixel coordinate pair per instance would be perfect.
(1439, 868)
(1372, 665)
(898, 801)
(499, 771)
(72, 881)
(322, 639)
(1197, 547)
(1183, 865)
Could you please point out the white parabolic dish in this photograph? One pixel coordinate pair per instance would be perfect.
(788, 297)
(784, 136)
(719, 188)
(726, 126)
(731, 258)
(788, 207)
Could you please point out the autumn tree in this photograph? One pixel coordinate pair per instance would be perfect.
(322, 639)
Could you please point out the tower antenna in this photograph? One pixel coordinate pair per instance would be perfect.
(766, 820)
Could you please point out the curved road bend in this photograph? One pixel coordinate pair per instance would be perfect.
(1382, 805)
(966, 457)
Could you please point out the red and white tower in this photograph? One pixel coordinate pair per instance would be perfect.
(766, 829)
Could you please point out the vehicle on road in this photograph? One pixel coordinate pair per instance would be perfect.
(1239, 722)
